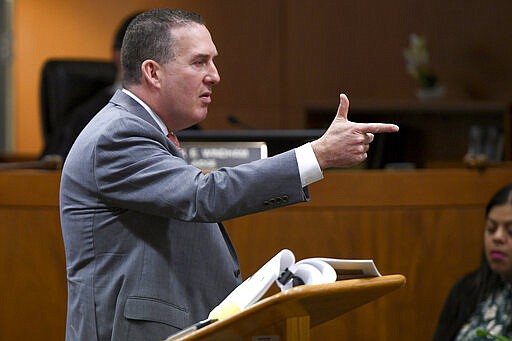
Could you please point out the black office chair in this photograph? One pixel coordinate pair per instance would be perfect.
(65, 83)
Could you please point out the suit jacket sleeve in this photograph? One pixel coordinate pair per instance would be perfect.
(137, 167)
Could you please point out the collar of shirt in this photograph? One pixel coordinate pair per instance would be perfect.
(148, 109)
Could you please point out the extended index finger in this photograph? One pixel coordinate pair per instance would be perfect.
(376, 128)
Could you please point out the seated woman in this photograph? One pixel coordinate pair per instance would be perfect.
(482, 299)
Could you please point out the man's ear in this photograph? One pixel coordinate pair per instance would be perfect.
(151, 72)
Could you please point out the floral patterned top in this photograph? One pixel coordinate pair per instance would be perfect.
(493, 316)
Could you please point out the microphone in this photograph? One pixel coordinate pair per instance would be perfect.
(236, 122)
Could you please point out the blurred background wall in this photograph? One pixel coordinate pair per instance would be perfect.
(278, 57)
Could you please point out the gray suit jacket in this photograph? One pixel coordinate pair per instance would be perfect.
(145, 253)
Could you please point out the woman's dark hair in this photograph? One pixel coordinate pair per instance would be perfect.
(484, 280)
(503, 196)
(149, 36)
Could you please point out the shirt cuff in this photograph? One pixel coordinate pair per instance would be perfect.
(309, 169)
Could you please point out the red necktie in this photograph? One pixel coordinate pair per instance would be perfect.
(174, 140)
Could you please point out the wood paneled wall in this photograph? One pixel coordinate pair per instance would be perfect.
(33, 281)
(279, 57)
(426, 225)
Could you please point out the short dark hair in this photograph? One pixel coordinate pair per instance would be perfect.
(121, 30)
(149, 36)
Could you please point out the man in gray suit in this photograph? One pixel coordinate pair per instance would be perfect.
(146, 252)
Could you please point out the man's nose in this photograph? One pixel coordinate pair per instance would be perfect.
(213, 76)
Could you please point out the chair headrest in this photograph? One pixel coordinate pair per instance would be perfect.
(65, 83)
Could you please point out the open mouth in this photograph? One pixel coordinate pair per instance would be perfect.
(206, 97)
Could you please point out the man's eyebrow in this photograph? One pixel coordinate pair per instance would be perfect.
(205, 55)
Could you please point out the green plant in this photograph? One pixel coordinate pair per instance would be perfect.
(481, 332)
(418, 62)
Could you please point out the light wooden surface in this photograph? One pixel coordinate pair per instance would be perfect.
(33, 280)
(424, 224)
(292, 313)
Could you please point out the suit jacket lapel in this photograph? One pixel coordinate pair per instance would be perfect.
(132, 106)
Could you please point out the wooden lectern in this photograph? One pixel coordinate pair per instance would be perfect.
(290, 314)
